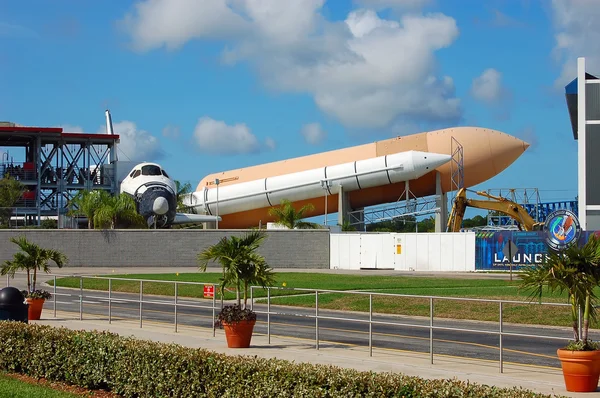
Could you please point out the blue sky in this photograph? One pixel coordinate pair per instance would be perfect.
(212, 85)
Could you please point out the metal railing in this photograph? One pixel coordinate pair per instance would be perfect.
(499, 332)
(21, 171)
(140, 300)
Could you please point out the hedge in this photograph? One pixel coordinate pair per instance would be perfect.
(139, 368)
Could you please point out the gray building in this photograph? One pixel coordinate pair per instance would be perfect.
(583, 103)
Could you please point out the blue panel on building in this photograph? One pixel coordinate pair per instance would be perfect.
(532, 249)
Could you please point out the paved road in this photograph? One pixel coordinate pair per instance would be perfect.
(334, 327)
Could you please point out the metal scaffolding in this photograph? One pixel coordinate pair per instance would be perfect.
(412, 207)
(457, 168)
(526, 197)
(57, 166)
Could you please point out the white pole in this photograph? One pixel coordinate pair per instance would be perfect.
(325, 185)
(326, 206)
(217, 182)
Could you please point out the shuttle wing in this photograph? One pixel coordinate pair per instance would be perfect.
(185, 218)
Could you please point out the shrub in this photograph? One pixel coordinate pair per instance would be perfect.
(136, 368)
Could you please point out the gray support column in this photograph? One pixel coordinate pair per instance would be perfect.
(209, 225)
(441, 216)
(38, 169)
(581, 141)
(344, 211)
(115, 166)
(342, 205)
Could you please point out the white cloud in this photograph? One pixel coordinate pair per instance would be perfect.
(313, 133)
(501, 19)
(171, 131)
(366, 71)
(488, 86)
(215, 136)
(397, 4)
(270, 143)
(14, 31)
(135, 145)
(576, 34)
(171, 23)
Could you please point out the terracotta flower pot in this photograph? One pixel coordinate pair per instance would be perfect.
(35, 308)
(581, 369)
(239, 334)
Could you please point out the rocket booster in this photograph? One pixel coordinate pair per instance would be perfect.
(308, 184)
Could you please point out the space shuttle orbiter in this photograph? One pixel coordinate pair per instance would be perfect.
(155, 194)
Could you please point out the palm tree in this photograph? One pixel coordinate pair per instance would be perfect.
(287, 215)
(242, 265)
(31, 258)
(346, 226)
(116, 209)
(86, 203)
(575, 270)
(11, 191)
(182, 190)
(104, 210)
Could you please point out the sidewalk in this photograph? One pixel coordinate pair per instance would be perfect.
(539, 379)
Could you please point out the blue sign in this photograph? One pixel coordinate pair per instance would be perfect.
(560, 230)
(489, 249)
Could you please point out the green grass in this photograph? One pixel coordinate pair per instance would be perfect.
(291, 280)
(495, 289)
(400, 284)
(10, 387)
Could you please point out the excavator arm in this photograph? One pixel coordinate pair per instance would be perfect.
(495, 203)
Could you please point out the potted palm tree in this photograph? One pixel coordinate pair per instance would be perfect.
(576, 270)
(242, 267)
(32, 258)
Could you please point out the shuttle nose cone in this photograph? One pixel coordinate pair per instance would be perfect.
(160, 206)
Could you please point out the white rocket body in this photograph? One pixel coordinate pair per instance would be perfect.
(308, 184)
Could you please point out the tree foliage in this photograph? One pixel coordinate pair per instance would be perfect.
(575, 270)
(407, 224)
(182, 189)
(104, 210)
(346, 226)
(85, 203)
(31, 258)
(11, 191)
(242, 265)
(288, 216)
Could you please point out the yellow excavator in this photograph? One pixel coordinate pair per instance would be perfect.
(494, 203)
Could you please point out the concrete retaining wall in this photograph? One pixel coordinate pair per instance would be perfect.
(177, 247)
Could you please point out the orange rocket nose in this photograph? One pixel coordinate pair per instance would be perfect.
(486, 152)
(505, 150)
